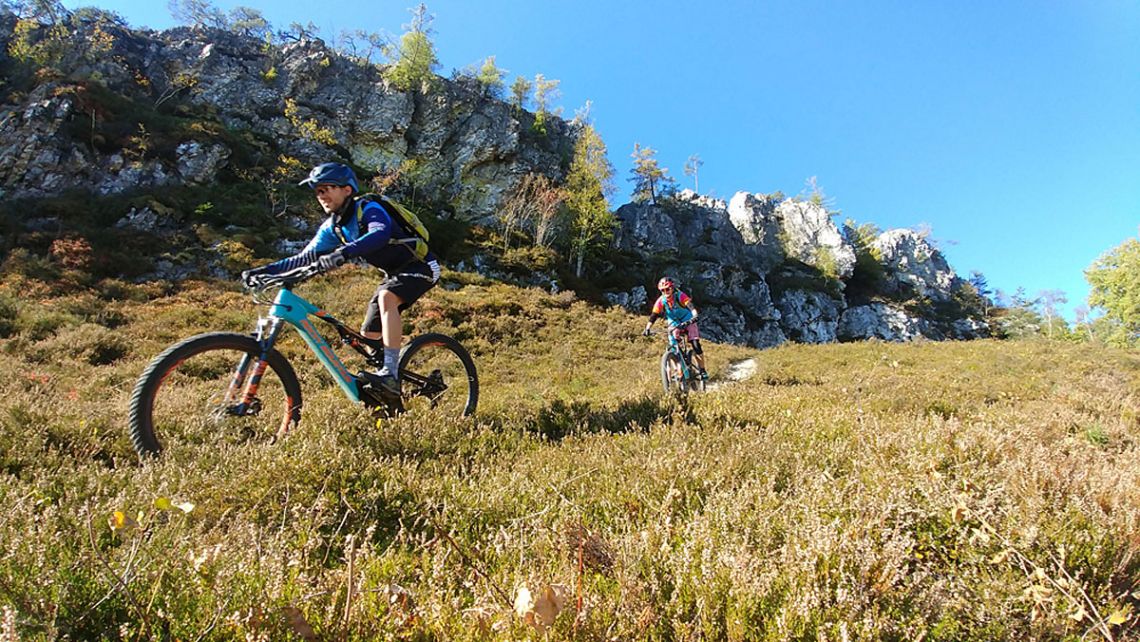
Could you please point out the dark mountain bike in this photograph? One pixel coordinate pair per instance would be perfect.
(678, 373)
(232, 387)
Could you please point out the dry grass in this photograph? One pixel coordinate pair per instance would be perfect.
(936, 491)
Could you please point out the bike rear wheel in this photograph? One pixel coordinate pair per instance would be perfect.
(672, 374)
(195, 395)
(437, 375)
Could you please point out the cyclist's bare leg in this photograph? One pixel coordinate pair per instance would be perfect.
(391, 324)
(698, 357)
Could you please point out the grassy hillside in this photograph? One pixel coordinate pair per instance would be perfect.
(936, 491)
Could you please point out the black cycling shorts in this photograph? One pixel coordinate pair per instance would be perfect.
(409, 283)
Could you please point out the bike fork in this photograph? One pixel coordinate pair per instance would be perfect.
(267, 331)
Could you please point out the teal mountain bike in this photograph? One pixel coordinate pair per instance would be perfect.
(679, 374)
(230, 387)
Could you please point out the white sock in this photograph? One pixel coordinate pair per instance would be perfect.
(392, 361)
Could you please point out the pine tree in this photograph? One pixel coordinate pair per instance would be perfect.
(491, 77)
(588, 186)
(982, 288)
(648, 176)
(249, 22)
(520, 93)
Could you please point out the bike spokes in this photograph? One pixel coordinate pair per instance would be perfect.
(205, 400)
(437, 378)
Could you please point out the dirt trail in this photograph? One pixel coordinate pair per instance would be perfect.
(737, 371)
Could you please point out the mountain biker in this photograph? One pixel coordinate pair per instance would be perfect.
(679, 311)
(362, 229)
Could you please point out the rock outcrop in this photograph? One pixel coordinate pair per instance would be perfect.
(912, 267)
(766, 270)
(306, 100)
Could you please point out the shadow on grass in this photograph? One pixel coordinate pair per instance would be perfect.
(559, 419)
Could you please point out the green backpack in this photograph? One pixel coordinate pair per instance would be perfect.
(407, 219)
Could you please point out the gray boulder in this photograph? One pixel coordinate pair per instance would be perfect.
(809, 316)
(881, 321)
(198, 164)
(635, 300)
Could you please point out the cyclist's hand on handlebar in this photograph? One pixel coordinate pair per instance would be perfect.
(252, 278)
(331, 261)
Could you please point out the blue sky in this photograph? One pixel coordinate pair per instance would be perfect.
(1010, 129)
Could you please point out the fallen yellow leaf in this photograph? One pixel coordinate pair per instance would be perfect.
(122, 521)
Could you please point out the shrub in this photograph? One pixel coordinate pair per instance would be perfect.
(9, 312)
(88, 342)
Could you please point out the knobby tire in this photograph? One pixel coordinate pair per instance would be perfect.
(455, 386)
(142, 420)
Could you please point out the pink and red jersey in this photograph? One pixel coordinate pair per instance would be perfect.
(674, 308)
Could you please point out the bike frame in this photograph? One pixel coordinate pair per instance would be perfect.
(294, 310)
(675, 346)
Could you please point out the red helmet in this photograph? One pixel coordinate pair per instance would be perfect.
(664, 283)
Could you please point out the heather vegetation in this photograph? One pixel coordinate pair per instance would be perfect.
(938, 491)
(942, 491)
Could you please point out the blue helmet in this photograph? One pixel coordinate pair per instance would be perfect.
(331, 174)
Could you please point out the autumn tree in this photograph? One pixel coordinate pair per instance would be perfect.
(588, 186)
(1115, 288)
(534, 204)
(40, 35)
(415, 60)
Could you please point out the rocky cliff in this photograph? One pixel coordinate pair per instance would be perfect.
(121, 111)
(768, 270)
(300, 101)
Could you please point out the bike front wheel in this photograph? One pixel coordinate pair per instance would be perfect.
(672, 374)
(210, 390)
(437, 375)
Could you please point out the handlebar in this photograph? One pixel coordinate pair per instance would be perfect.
(261, 282)
(679, 326)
